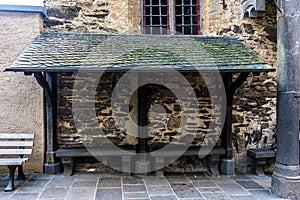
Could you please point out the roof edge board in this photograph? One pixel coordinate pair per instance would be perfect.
(22, 8)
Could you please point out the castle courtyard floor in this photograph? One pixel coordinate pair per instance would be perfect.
(90, 186)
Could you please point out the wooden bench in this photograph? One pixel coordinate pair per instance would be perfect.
(259, 156)
(13, 147)
(68, 157)
(69, 154)
(211, 160)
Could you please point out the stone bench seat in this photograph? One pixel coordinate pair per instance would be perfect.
(68, 155)
(259, 156)
(211, 158)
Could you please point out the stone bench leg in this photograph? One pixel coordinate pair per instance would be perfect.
(68, 164)
(159, 164)
(258, 170)
(214, 165)
(126, 165)
(211, 163)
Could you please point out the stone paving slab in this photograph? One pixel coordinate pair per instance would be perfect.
(109, 182)
(152, 180)
(249, 197)
(89, 186)
(204, 183)
(263, 194)
(209, 190)
(29, 189)
(132, 180)
(61, 181)
(159, 190)
(109, 193)
(216, 196)
(186, 190)
(54, 192)
(264, 183)
(134, 188)
(132, 195)
(81, 193)
(23, 196)
(250, 185)
(84, 184)
(234, 189)
(172, 197)
(239, 176)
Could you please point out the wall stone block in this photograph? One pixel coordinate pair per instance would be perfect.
(63, 12)
(111, 16)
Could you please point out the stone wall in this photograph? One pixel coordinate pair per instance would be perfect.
(108, 16)
(165, 111)
(258, 34)
(254, 103)
(81, 123)
(21, 98)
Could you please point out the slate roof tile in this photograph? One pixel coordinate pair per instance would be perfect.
(65, 51)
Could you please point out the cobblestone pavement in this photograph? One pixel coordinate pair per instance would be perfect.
(89, 186)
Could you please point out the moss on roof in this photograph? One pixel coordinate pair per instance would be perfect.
(64, 51)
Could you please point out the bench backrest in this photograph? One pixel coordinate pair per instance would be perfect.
(16, 144)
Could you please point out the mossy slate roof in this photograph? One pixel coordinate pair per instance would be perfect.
(64, 51)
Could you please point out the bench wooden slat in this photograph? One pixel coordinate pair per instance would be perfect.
(16, 136)
(68, 155)
(16, 143)
(15, 151)
(83, 152)
(209, 154)
(12, 161)
(13, 147)
(189, 152)
(261, 153)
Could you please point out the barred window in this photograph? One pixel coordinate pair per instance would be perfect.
(171, 17)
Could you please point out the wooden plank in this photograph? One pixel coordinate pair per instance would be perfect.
(12, 161)
(72, 153)
(16, 136)
(15, 151)
(112, 153)
(82, 152)
(261, 153)
(16, 143)
(189, 152)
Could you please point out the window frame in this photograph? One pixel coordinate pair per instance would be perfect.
(171, 18)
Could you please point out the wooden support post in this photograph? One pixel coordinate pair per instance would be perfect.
(48, 83)
(227, 162)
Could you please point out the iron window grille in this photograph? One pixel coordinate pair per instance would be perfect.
(164, 17)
